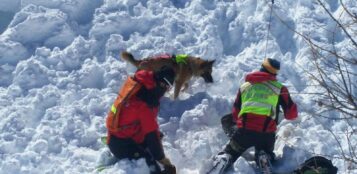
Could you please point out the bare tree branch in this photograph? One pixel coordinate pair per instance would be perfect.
(342, 27)
(335, 73)
(354, 17)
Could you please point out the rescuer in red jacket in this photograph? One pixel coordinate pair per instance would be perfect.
(139, 136)
(255, 113)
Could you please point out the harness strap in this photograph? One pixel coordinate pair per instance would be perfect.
(266, 123)
(244, 120)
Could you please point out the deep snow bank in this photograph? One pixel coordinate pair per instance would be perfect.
(60, 72)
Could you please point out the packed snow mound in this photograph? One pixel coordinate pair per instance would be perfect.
(60, 71)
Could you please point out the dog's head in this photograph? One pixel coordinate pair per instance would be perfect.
(205, 70)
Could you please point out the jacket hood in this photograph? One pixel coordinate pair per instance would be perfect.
(258, 77)
(146, 78)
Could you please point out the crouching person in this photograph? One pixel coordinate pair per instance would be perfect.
(133, 131)
(255, 113)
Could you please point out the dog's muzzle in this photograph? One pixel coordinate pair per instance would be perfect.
(207, 77)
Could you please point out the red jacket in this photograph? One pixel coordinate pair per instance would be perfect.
(138, 118)
(256, 122)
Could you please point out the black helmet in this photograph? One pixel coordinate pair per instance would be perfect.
(165, 75)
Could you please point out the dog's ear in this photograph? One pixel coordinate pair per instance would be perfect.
(211, 62)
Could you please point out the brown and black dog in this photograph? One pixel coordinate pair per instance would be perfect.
(185, 69)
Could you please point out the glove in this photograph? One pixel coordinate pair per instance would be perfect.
(161, 135)
(168, 167)
(169, 170)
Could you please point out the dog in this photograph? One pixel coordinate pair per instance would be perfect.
(185, 67)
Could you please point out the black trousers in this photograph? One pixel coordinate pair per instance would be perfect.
(244, 139)
(127, 148)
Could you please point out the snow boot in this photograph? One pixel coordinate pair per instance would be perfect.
(105, 160)
(220, 163)
(264, 162)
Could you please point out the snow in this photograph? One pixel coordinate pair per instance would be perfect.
(60, 71)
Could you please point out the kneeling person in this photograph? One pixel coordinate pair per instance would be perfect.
(133, 131)
(256, 112)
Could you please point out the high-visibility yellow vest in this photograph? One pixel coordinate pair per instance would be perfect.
(260, 98)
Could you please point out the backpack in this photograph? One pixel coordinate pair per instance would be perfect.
(317, 165)
(129, 89)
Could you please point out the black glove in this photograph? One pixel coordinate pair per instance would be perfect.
(170, 169)
(161, 135)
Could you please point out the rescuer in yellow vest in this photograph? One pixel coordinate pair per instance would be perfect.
(255, 114)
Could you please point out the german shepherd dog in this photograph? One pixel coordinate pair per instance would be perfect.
(185, 70)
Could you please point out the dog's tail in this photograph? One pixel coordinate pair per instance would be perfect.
(130, 58)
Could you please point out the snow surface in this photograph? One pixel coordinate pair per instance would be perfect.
(60, 71)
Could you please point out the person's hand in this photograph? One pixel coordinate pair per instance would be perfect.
(161, 135)
(168, 167)
(169, 170)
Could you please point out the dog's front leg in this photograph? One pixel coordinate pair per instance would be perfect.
(178, 85)
(179, 81)
(185, 86)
